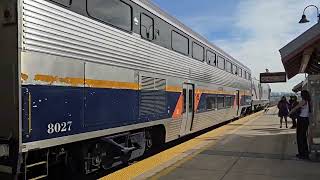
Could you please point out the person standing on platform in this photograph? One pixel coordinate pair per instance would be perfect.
(293, 103)
(302, 124)
(283, 110)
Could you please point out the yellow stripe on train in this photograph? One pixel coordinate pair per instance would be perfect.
(50, 80)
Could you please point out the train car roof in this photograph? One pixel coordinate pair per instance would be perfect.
(175, 22)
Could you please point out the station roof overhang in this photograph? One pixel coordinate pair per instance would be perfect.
(302, 55)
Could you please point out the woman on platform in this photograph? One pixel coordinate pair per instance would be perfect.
(283, 110)
(302, 124)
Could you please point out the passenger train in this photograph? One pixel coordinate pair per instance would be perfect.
(261, 93)
(91, 84)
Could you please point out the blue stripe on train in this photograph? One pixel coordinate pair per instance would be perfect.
(89, 109)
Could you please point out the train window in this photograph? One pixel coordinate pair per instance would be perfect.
(211, 58)
(184, 100)
(180, 43)
(197, 51)
(234, 69)
(191, 102)
(147, 27)
(114, 12)
(211, 102)
(63, 2)
(245, 74)
(221, 62)
(228, 101)
(202, 106)
(228, 67)
(220, 102)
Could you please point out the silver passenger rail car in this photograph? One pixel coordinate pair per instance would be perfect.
(260, 95)
(90, 84)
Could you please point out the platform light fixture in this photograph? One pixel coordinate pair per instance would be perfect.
(304, 17)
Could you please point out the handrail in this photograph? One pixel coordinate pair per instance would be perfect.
(29, 115)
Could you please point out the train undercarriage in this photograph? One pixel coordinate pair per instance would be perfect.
(86, 157)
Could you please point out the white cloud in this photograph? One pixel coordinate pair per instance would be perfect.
(269, 25)
(206, 24)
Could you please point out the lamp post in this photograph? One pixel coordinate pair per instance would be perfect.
(304, 17)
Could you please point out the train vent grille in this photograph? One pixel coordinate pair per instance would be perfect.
(152, 96)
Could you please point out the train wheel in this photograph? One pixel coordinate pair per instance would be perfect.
(155, 139)
(73, 163)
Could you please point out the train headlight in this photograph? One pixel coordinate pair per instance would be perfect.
(4, 150)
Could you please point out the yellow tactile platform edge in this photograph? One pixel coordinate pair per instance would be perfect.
(189, 148)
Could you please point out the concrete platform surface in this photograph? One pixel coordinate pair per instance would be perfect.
(256, 150)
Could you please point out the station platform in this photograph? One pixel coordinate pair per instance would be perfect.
(253, 147)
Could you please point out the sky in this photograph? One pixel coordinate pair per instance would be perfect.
(251, 31)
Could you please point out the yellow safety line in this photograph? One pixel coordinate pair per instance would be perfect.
(188, 158)
(197, 144)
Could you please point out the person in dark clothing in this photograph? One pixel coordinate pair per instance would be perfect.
(283, 110)
(302, 124)
(293, 103)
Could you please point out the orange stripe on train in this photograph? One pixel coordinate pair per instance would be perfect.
(24, 77)
(49, 79)
(111, 84)
(179, 108)
(55, 79)
(87, 82)
(197, 100)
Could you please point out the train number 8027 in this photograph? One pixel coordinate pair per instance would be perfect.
(59, 127)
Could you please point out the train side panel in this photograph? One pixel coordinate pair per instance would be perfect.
(260, 95)
(94, 73)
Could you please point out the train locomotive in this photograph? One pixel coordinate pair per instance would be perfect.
(91, 84)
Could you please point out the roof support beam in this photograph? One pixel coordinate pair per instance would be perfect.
(305, 59)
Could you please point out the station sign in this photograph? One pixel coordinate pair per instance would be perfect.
(275, 77)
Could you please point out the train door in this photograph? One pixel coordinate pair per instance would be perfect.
(188, 109)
